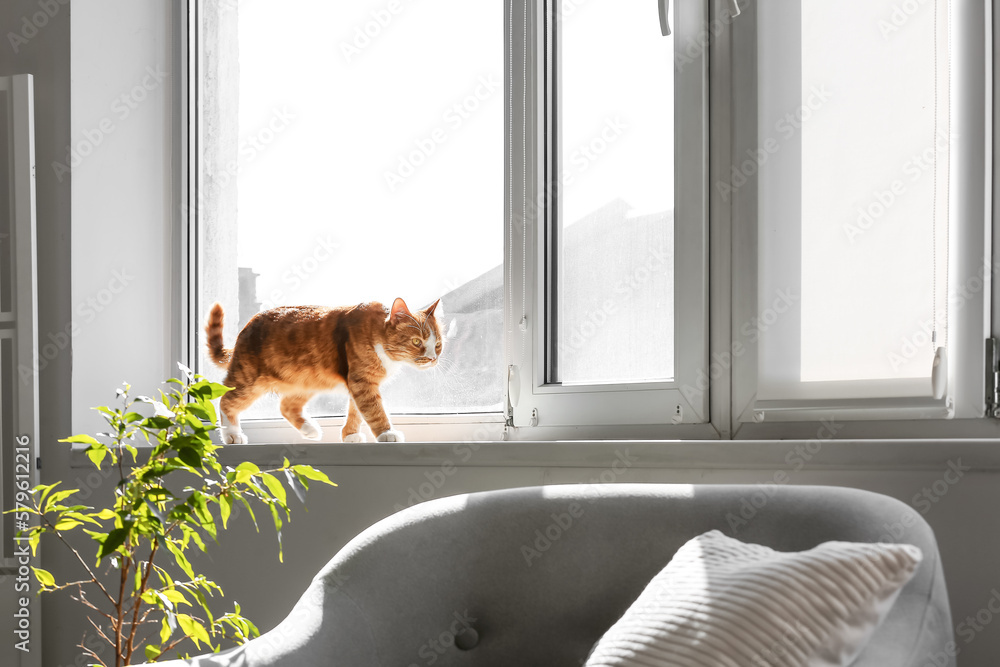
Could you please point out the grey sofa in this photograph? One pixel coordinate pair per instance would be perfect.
(534, 576)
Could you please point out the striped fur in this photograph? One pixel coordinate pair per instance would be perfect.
(217, 351)
(299, 351)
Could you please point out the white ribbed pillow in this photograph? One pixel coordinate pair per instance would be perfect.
(723, 603)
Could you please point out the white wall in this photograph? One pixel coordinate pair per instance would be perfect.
(121, 126)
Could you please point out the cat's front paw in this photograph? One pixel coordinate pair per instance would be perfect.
(390, 436)
(234, 436)
(310, 430)
(355, 437)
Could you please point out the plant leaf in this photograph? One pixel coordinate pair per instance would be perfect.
(277, 528)
(67, 524)
(182, 561)
(58, 496)
(44, 577)
(96, 455)
(226, 509)
(114, 540)
(245, 471)
(190, 456)
(312, 473)
(275, 487)
(83, 438)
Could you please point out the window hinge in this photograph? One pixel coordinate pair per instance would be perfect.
(993, 377)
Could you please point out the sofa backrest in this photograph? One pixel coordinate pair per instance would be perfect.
(535, 576)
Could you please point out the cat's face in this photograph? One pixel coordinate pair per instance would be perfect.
(415, 337)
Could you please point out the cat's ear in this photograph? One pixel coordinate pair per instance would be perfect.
(430, 309)
(399, 311)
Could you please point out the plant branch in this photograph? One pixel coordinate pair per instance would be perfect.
(138, 600)
(86, 567)
(119, 610)
(91, 651)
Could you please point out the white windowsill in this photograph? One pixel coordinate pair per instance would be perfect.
(980, 455)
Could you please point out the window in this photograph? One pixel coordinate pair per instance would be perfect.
(865, 169)
(357, 165)
(711, 222)
(607, 193)
(372, 166)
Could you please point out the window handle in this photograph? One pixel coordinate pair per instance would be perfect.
(664, 17)
(736, 7)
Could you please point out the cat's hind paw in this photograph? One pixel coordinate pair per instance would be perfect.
(355, 437)
(390, 436)
(234, 436)
(310, 430)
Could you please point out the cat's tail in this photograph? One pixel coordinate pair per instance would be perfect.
(217, 351)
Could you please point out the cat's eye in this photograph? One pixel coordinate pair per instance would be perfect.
(417, 342)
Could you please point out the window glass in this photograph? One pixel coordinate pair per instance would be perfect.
(615, 250)
(353, 152)
(854, 215)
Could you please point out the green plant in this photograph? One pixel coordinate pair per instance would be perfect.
(145, 518)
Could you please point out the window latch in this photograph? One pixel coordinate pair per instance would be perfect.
(735, 7)
(664, 17)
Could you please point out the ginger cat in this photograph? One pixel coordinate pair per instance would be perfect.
(298, 351)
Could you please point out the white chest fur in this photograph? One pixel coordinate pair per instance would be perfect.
(390, 365)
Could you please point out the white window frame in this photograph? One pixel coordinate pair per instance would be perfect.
(721, 268)
(544, 410)
(971, 247)
(188, 306)
(604, 411)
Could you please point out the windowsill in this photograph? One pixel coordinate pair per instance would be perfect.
(787, 455)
